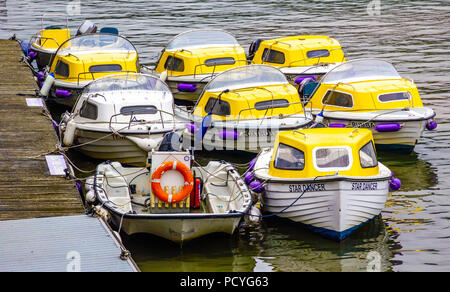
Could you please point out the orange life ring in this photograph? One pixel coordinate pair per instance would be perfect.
(188, 182)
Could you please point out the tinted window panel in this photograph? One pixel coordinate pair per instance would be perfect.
(332, 158)
(272, 56)
(138, 110)
(62, 69)
(174, 64)
(289, 158)
(396, 96)
(337, 99)
(367, 156)
(220, 61)
(105, 68)
(318, 53)
(276, 103)
(89, 111)
(217, 107)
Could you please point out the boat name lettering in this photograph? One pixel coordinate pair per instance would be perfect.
(367, 125)
(257, 133)
(307, 188)
(362, 186)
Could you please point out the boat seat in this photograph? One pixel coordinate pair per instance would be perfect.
(110, 30)
(115, 190)
(217, 199)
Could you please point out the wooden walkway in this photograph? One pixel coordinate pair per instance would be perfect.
(27, 190)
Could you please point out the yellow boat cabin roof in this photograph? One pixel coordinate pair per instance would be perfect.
(296, 51)
(364, 85)
(51, 38)
(248, 92)
(202, 51)
(91, 56)
(324, 151)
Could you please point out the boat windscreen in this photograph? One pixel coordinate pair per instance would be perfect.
(245, 77)
(202, 39)
(121, 82)
(102, 43)
(361, 70)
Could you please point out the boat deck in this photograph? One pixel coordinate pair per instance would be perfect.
(27, 190)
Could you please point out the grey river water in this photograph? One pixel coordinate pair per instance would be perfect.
(413, 233)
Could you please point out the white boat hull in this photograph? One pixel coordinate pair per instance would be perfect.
(334, 209)
(249, 140)
(404, 139)
(178, 230)
(412, 121)
(102, 145)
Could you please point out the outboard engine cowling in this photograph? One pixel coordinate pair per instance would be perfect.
(254, 46)
(87, 27)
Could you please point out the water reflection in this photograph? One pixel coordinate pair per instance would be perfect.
(288, 247)
(276, 245)
(415, 173)
(213, 253)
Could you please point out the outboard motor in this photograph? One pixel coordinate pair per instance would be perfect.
(306, 88)
(171, 142)
(253, 48)
(87, 27)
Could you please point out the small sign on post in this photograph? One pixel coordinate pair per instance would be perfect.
(56, 164)
(34, 102)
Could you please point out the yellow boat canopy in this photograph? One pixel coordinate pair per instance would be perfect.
(324, 151)
(200, 52)
(88, 57)
(297, 51)
(248, 92)
(52, 38)
(364, 85)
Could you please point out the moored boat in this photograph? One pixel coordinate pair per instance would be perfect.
(326, 179)
(370, 93)
(121, 117)
(298, 57)
(192, 58)
(243, 109)
(84, 58)
(45, 43)
(171, 199)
